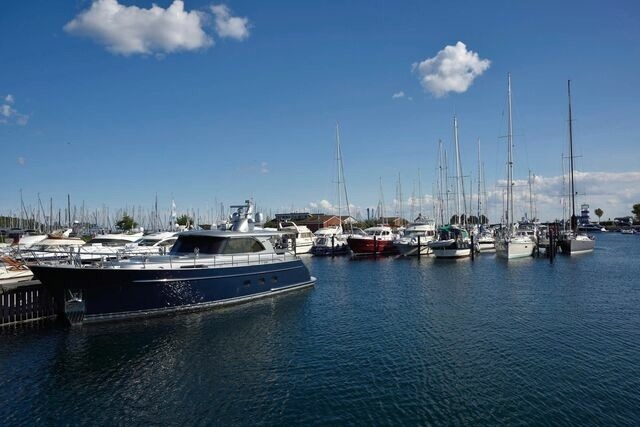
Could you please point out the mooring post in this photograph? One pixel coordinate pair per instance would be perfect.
(419, 247)
(375, 246)
(473, 248)
(552, 245)
(333, 237)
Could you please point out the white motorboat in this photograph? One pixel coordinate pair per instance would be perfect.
(416, 237)
(485, 240)
(12, 271)
(106, 246)
(329, 241)
(296, 238)
(56, 245)
(451, 242)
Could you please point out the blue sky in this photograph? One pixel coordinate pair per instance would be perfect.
(217, 102)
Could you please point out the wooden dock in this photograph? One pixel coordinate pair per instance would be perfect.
(26, 301)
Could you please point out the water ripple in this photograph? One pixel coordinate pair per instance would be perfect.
(377, 342)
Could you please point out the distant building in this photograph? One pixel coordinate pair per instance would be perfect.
(393, 221)
(312, 221)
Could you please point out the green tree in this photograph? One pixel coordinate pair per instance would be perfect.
(636, 211)
(599, 212)
(184, 220)
(126, 223)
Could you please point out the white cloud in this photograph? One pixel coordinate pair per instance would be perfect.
(325, 204)
(9, 115)
(398, 95)
(21, 161)
(264, 167)
(326, 207)
(613, 192)
(128, 30)
(453, 69)
(230, 26)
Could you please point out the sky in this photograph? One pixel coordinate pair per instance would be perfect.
(117, 102)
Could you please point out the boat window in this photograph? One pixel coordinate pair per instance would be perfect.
(168, 242)
(108, 242)
(205, 245)
(242, 245)
(147, 242)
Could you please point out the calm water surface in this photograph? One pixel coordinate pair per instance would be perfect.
(387, 341)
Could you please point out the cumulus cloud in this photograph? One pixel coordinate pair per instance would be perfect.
(453, 69)
(398, 95)
(9, 115)
(326, 207)
(230, 26)
(613, 192)
(128, 30)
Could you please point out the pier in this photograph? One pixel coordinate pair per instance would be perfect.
(25, 302)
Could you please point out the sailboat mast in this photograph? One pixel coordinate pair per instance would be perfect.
(446, 187)
(400, 214)
(530, 198)
(510, 161)
(458, 171)
(419, 193)
(571, 184)
(338, 166)
(484, 193)
(441, 181)
(342, 178)
(479, 182)
(69, 209)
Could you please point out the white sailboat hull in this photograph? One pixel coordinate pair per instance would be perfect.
(410, 249)
(577, 245)
(451, 253)
(511, 249)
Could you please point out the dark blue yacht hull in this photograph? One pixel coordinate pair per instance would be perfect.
(95, 294)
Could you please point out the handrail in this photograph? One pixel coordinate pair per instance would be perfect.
(111, 259)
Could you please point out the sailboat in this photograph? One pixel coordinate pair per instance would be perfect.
(484, 238)
(573, 242)
(332, 240)
(453, 240)
(511, 242)
(417, 234)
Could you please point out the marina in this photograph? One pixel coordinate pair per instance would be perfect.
(407, 340)
(194, 228)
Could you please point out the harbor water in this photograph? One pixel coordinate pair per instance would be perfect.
(388, 341)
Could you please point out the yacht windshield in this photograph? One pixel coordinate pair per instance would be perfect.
(215, 245)
(205, 244)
